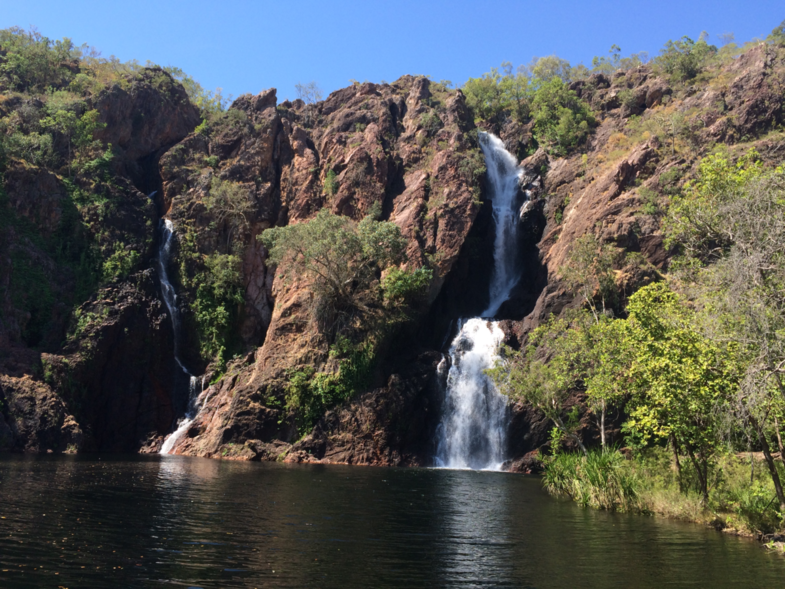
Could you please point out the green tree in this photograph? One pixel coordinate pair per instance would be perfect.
(340, 258)
(546, 68)
(680, 380)
(698, 218)
(588, 272)
(684, 59)
(484, 95)
(34, 63)
(208, 102)
(219, 294)
(543, 374)
(730, 224)
(561, 120)
(777, 35)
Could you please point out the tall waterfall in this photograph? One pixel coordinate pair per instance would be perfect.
(473, 430)
(195, 385)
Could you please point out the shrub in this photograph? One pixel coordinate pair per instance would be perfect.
(431, 122)
(406, 286)
(340, 258)
(33, 62)
(561, 120)
(231, 205)
(684, 59)
(330, 183)
(120, 264)
(219, 294)
(309, 394)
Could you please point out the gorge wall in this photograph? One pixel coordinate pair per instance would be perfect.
(104, 377)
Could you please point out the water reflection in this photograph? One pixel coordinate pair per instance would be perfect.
(79, 522)
(475, 529)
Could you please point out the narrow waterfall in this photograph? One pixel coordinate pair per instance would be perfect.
(473, 430)
(195, 385)
(503, 175)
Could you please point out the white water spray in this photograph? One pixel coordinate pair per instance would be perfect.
(195, 386)
(473, 431)
(504, 176)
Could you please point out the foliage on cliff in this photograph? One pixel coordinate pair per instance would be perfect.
(561, 120)
(696, 365)
(358, 293)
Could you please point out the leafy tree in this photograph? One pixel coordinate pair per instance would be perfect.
(405, 287)
(698, 219)
(615, 62)
(543, 374)
(589, 273)
(730, 224)
(485, 96)
(208, 102)
(340, 258)
(539, 91)
(231, 205)
(32, 62)
(561, 120)
(546, 68)
(680, 380)
(330, 183)
(684, 59)
(219, 294)
(777, 36)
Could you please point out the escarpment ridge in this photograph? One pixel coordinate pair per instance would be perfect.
(86, 342)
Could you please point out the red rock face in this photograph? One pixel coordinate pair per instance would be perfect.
(408, 147)
(396, 146)
(384, 148)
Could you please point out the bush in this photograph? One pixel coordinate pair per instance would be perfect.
(431, 122)
(777, 36)
(219, 294)
(309, 394)
(561, 120)
(684, 59)
(330, 183)
(340, 257)
(406, 286)
(120, 264)
(33, 62)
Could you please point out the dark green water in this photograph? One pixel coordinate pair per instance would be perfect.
(150, 522)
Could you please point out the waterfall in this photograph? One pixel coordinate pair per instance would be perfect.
(195, 386)
(473, 430)
(503, 175)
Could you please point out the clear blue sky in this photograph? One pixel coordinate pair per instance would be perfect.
(247, 46)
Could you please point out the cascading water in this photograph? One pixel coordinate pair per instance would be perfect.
(473, 431)
(195, 386)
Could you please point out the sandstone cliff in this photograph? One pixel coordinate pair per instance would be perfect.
(104, 377)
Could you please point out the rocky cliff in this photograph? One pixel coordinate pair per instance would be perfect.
(103, 377)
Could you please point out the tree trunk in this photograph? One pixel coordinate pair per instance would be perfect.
(779, 440)
(675, 447)
(560, 424)
(775, 477)
(702, 475)
(602, 425)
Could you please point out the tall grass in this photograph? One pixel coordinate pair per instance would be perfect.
(741, 495)
(603, 480)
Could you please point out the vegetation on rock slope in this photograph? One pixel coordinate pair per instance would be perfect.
(639, 161)
(693, 362)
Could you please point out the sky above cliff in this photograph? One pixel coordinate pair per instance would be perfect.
(246, 46)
